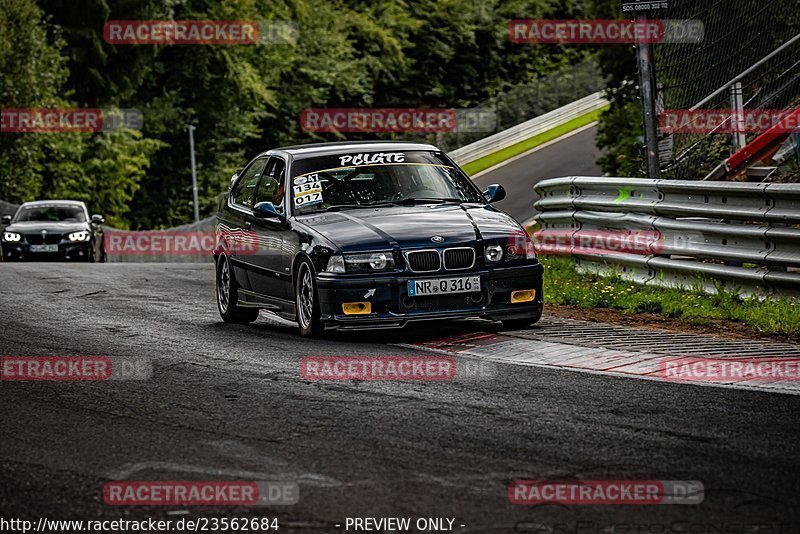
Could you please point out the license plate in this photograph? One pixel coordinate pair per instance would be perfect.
(444, 286)
(44, 248)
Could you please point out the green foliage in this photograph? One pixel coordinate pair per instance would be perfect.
(242, 99)
(565, 285)
(619, 135)
(620, 132)
(102, 169)
(33, 72)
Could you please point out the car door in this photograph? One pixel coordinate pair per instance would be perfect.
(271, 263)
(236, 221)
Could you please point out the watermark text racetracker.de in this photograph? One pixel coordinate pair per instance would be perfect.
(587, 242)
(605, 492)
(74, 368)
(394, 368)
(605, 31)
(199, 32)
(181, 243)
(727, 121)
(200, 493)
(397, 120)
(66, 120)
(726, 370)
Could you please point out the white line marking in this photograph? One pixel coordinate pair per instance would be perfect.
(534, 149)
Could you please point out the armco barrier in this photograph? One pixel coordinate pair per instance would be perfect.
(528, 129)
(736, 235)
(121, 254)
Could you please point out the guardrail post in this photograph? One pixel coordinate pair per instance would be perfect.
(647, 84)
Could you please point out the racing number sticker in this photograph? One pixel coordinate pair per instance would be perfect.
(307, 190)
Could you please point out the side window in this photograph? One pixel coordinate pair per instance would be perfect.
(245, 189)
(272, 188)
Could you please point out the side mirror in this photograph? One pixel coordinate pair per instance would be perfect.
(6, 219)
(266, 210)
(495, 193)
(236, 175)
(98, 219)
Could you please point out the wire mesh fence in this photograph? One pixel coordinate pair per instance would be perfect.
(755, 42)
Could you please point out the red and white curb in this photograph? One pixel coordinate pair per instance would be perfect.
(612, 362)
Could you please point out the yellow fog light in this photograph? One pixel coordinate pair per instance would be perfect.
(525, 295)
(357, 308)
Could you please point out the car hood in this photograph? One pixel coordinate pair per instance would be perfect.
(410, 226)
(33, 227)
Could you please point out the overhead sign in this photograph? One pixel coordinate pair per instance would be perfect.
(637, 6)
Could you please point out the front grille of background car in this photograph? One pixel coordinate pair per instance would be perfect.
(39, 239)
(459, 258)
(424, 261)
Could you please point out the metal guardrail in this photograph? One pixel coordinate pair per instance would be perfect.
(528, 129)
(7, 208)
(740, 236)
(119, 251)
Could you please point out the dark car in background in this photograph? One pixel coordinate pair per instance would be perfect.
(370, 235)
(53, 230)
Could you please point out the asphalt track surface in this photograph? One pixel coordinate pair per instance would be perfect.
(572, 155)
(229, 402)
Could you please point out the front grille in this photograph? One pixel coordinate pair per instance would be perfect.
(423, 261)
(459, 258)
(39, 239)
(443, 302)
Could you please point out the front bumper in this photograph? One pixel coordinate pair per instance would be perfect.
(393, 308)
(81, 251)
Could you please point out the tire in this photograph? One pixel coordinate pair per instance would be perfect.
(227, 290)
(306, 298)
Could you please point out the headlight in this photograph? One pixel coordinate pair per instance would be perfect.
(520, 245)
(335, 264)
(79, 236)
(530, 250)
(11, 237)
(375, 261)
(494, 253)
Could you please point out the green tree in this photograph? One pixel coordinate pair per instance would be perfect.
(33, 72)
(103, 169)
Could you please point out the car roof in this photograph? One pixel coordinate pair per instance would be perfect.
(58, 202)
(340, 147)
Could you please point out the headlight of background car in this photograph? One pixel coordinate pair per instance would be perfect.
(493, 253)
(11, 237)
(79, 236)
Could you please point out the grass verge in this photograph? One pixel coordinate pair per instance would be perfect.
(523, 146)
(564, 285)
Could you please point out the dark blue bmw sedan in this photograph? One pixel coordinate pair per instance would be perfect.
(370, 235)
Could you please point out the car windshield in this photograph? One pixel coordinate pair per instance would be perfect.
(52, 213)
(344, 181)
